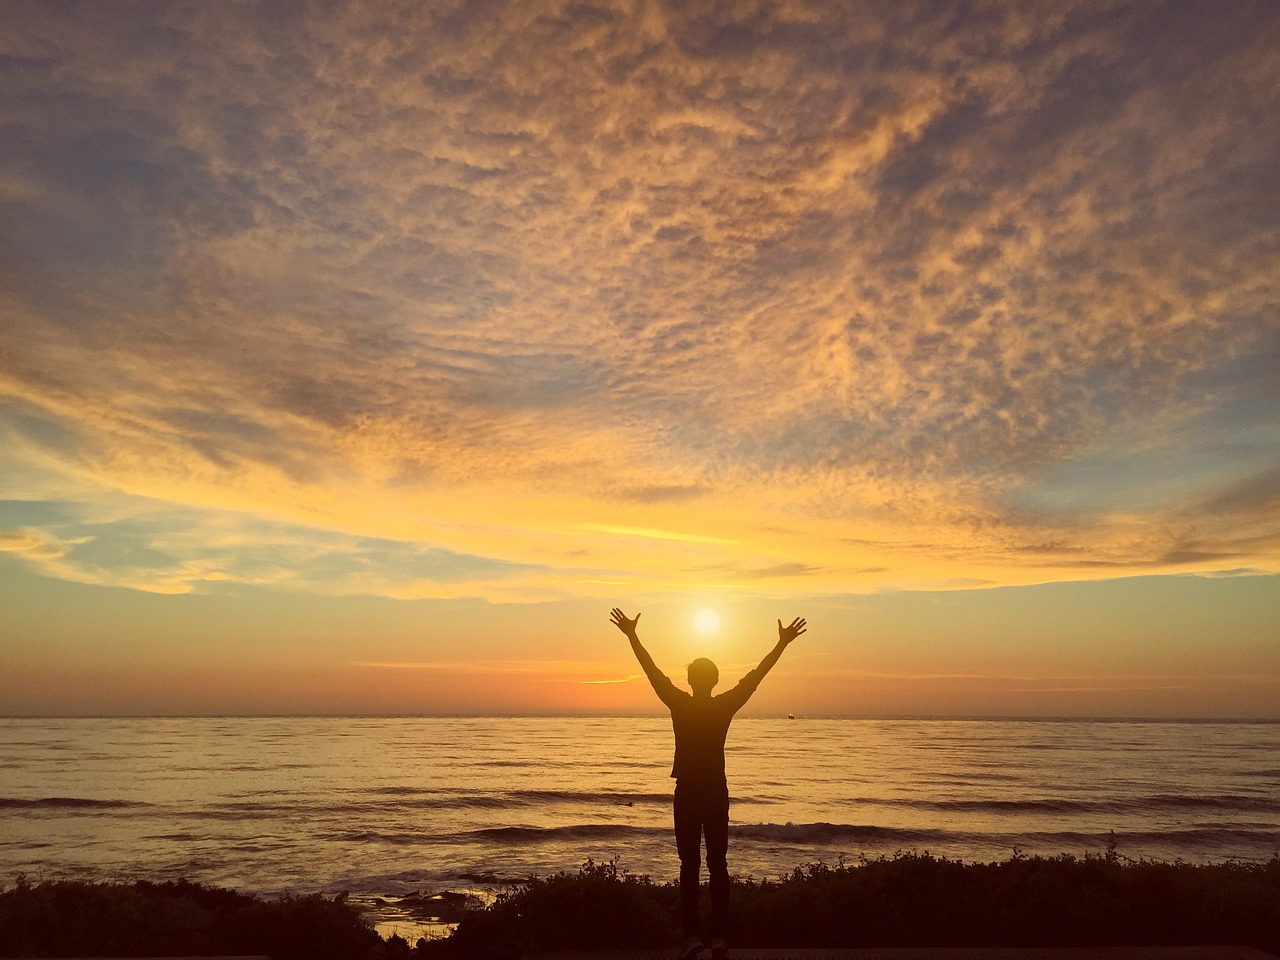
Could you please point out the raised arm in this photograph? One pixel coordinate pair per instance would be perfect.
(739, 695)
(785, 636)
(660, 682)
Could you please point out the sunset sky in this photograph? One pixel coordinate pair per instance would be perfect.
(361, 357)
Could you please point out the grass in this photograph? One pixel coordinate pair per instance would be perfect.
(910, 899)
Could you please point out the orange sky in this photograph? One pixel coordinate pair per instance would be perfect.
(458, 326)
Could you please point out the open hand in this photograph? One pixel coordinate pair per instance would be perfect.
(619, 620)
(788, 633)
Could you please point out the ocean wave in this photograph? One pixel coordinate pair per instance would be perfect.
(409, 799)
(427, 798)
(1201, 836)
(1126, 805)
(585, 796)
(464, 798)
(1063, 840)
(39, 803)
(612, 797)
(850, 836)
(513, 835)
(808, 833)
(574, 831)
(872, 835)
(388, 799)
(474, 801)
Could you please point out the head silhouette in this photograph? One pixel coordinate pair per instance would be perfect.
(703, 675)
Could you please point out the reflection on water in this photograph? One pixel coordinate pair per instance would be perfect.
(396, 807)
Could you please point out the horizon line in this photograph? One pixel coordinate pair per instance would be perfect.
(570, 715)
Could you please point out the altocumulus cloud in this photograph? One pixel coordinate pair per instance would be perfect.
(451, 288)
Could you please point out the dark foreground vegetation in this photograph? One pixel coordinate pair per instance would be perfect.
(73, 919)
(906, 900)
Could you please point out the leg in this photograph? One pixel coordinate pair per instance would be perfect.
(716, 824)
(689, 846)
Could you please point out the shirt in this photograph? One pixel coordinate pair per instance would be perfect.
(701, 725)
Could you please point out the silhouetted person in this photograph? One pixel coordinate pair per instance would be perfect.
(700, 722)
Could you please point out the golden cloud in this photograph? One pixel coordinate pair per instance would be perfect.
(652, 296)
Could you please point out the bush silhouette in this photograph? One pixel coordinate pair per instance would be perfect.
(909, 899)
(68, 918)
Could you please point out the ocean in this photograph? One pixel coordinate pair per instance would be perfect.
(389, 809)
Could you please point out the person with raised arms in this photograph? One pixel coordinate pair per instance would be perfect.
(701, 722)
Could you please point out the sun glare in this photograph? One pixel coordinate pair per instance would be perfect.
(707, 622)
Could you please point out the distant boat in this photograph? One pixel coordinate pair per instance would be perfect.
(791, 716)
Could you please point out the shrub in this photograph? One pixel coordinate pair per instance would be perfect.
(69, 918)
(910, 899)
(598, 907)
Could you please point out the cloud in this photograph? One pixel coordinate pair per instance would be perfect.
(663, 493)
(130, 542)
(650, 533)
(554, 669)
(1250, 496)
(500, 283)
(35, 545)
(630, 679)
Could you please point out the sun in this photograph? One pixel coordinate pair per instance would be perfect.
(707, 622)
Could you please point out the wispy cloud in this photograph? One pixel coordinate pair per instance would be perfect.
(813, 298)
(550, 668)
(652, 534)
(629, 679)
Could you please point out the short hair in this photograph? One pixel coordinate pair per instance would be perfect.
(703, 673)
